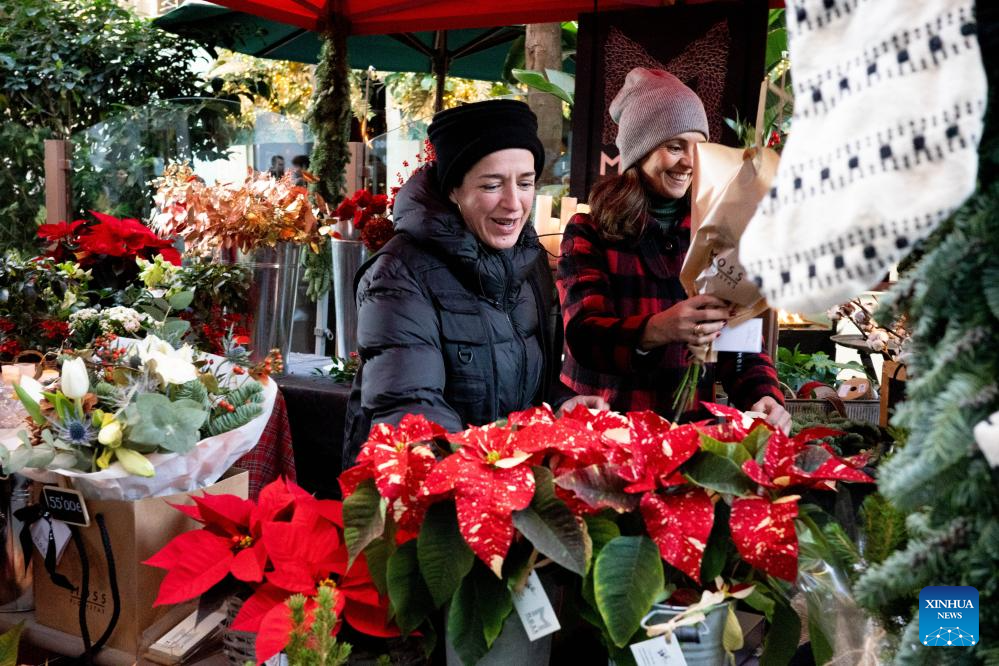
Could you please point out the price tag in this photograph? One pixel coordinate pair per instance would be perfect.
(66, 505)
(658, 652)
(746, 337)
(40, 536)
(535, 610)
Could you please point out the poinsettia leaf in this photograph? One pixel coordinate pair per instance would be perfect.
(734, 451)
(275, 630)
(599, 486)
(719, 547)
(253, 610)
(370, 620)
(492, 601)
(627, 577)
(763, 532)
(761, 601)
(206, 560)
(465, 630)
(363, 518)
(719, 474)
(9, 641)
(377, 555)
(680, 524)
(248, 564)
(349, 479)
(601, 531)
(227, 512)
(486, 497)
(756, 439)
(779, 646)
(551, 527)
(445, 559)
(411, 600)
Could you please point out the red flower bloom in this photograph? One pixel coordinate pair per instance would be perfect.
(54, 330)
(763, 532)
(124, 238)
(489, 483)
(59, 231)
(6, 325)
(345, 211)
(377, 232)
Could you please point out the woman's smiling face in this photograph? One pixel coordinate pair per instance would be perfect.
(667, 169)
(496, 196)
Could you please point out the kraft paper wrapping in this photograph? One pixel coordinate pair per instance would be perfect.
(728, 183)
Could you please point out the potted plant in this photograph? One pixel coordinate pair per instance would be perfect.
(638, 509)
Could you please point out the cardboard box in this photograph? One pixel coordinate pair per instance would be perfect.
(137, 530)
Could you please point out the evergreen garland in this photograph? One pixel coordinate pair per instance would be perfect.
(329, 119)
(951, 299)
(226, 421)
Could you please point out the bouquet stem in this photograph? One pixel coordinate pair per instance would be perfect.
(685, 397)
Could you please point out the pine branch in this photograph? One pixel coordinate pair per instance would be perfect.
(883, 528)
(227, 421)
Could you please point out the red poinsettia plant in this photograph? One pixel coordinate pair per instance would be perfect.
(637, 507)
(107, 246)
(287, 542)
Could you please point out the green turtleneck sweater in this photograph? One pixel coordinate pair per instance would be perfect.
(669, 213)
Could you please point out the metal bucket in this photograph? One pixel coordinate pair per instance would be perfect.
(273, 292)
(702, 643)
(348, 255)
(15, 565)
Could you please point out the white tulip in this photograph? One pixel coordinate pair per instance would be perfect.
(74, 382)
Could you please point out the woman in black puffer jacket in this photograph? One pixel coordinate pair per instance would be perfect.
(457, 318)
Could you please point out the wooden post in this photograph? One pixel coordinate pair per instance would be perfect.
(543, 50)
(57, 181)
(354, 172)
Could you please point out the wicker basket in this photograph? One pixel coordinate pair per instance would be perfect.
(865, 411)
(238, 646)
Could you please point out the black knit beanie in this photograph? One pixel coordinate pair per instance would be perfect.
(465, 134)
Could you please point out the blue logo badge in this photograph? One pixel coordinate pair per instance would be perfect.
(948, 616)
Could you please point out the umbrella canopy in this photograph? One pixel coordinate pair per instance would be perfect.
(379, 17)
(474, 53)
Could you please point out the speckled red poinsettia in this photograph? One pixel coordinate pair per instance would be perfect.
(399, 462)
(763, 533)
(655, 450)
(792, 461)
(489, 479)
(572, 442)
(680, 524)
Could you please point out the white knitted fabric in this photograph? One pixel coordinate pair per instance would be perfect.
(889, 104)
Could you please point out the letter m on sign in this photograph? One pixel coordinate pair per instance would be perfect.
(609, 162)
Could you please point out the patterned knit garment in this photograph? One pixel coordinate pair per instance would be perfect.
(889, 104)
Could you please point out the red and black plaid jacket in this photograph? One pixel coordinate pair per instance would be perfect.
(608, 292)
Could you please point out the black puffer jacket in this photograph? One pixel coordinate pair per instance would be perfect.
(448, 327)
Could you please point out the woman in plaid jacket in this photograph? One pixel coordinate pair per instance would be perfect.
(628, 321)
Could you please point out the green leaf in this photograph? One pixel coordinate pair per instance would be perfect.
(563, 80)
(761, 601)
(8, 645)
(363, 518)
(734, 451)
(821, 648)
(410, 598)
(781, 641)
(719, 544)
(551, 527)
(181, 300)
(377, 555)
(445, 558)
(477, 613)
(756, 440)
(537, 81)
(732, 638)
(174, 329)
(719, 474)
(627, 577)
(30, 406)
(601, 531)
(134, 462)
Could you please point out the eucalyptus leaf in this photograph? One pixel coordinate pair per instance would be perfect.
(181, 300)
(156, 421)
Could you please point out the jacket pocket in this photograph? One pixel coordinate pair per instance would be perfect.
(461, 319)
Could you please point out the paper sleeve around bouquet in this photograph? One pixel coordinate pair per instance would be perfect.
(174, 472)
(728, 183)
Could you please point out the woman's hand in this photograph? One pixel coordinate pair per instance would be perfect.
(589, 401)
(777, 416)
(695, 321)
